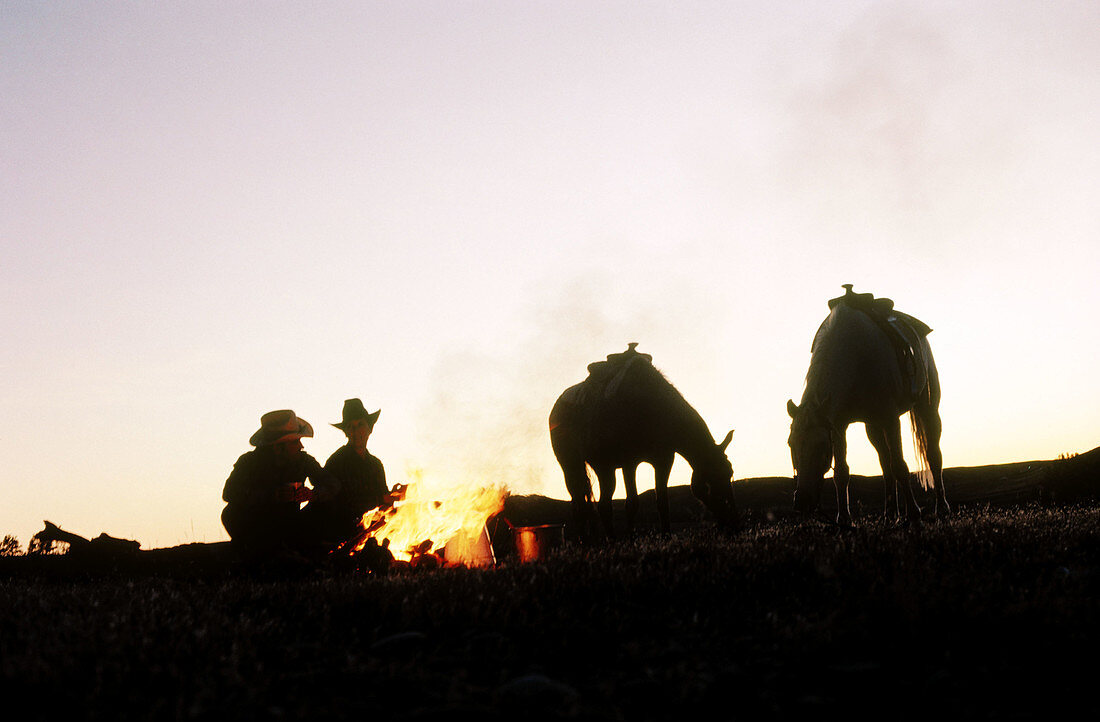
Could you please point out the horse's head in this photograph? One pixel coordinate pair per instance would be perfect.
(811, 455)
(712, 482)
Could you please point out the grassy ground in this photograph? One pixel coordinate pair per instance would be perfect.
(990, 615)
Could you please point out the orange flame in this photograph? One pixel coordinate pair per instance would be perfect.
(421, 522)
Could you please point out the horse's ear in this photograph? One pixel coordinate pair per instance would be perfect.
(726, 441)
(792, 408)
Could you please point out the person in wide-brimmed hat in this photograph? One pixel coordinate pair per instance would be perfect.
(265, 491)
(361, 475)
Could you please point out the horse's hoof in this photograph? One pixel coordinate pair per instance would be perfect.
(730, 522)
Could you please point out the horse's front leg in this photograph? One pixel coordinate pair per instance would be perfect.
(840, 478)
(606, 476)
(899, 470)
(661, 471)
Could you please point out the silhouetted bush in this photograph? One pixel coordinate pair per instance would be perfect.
(10, 547)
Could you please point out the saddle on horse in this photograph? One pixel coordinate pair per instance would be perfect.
(904, 331)
(604, 377)
(607, 375)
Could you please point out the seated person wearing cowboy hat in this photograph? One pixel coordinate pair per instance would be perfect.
(266, 489)
(360, 474)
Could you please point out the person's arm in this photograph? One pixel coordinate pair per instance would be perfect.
(326, 484)
(240, 486)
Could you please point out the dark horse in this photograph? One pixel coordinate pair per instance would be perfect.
(872, 364)
(626, 413)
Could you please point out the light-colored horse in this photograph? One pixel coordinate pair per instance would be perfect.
(856, 374)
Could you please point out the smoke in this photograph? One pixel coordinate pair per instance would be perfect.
(893, 135)
(485, 420)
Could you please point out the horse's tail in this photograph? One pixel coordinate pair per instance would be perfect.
(920, 446)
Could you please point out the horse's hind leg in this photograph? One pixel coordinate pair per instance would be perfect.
(899, 470)
(662, 469)
(931, 429)
(890, 490)
(567, 450)
(630, 483)
(606, 477)
(580, 494)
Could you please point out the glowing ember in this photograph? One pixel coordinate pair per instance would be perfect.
(419, 522)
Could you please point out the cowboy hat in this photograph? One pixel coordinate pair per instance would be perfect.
(276, 426)
(353, 409)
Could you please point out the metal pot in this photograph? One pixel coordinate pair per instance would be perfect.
(534, 543)
(470, 551)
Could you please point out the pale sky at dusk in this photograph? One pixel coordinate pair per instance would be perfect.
(213, 210)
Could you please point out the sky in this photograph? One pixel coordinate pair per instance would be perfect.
(448, 209)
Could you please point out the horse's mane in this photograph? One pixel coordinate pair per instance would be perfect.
(631, 378)
(647, 369)
(652, 379)
(632, 373)
(645, 372)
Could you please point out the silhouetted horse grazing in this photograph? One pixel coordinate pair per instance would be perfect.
(626, 413)
(872, 364)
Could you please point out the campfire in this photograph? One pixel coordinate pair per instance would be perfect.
(421, 527)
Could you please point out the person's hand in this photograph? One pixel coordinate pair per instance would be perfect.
(296, 493)
(397, 493)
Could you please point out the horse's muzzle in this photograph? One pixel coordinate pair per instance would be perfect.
(806, 501)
